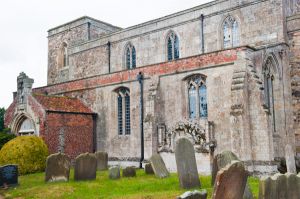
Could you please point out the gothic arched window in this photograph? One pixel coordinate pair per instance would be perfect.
(268, 75)
(172, 46)
(130, 56)
(197, 97)
(64, 55)
(231, 36)
(123, 101)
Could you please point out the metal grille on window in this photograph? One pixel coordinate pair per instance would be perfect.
(120, 115)
(128, 58)
(133, 57)
(192, 101)
(170, 49)
(127, 114)
(176, 47)
(202, 99)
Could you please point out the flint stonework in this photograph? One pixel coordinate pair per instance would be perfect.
(290, 159)
(231, 181)
(57, 168)
(102, 160)
(114, 172)
(85, 167)
(186, 164)
(159, 166)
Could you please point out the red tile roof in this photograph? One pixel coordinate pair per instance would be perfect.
(62, 104)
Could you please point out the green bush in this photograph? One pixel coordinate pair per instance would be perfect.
(5, 137)
(28, 152)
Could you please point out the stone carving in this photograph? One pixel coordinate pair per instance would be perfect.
(57, 168)
(114, 172)
(192, 130)
(280, 186)
(129, 172)
(102, 160)
(231, 181)
(194, 195)
(186, 164)
(290, 159)
(159, 166)
(85, 167)
(148, 169)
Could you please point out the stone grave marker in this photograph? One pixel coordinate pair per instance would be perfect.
(222, 160)
(114, 172)
(57, 168)
(231, 181)
(129, 172)
(148, 169)
(193, 195)
(85, 167)
(102, 160)
(9, 175)
(159, 166)
(290, 159)
(186, 164)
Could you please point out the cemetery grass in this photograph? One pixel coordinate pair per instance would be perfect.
(142, 186)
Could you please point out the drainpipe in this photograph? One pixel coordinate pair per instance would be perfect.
(108, 47)
(202, 33)
(140, 79)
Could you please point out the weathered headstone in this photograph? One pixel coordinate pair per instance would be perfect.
(194, 195)
(186, 164)
(114, 172)
(222, 160)
(148, 169)
(8, 175)
(85, 167)
(290, 159)
(280, 186)
(57, 168)
(159, 166)
(231, 181)
(129, 172)
(102, 160)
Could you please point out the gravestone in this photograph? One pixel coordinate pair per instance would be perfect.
(114, 172)
(290, 159)
(129, 172)
(194, 195)
(57, 168)
(231, 181)
(159, 166)
(186, 164)
(9, 175)
(85, 167)
(102, 160)
(222, 160)
(280, 186)
(148, 169)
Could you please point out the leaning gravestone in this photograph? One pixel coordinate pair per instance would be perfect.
(114, 172)
(57, 168)
(222, 160)
(186, 164)
(9, 175)
(102, 160)
(159, 166)
(290, 159)
(148, 169)
(231, 181)
(85, 167)
(194, 195)
(280, 186)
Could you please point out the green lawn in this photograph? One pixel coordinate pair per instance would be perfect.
(142, 186)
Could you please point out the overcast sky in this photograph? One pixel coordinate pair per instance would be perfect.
(24, 25)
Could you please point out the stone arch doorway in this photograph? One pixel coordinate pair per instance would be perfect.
(23, 125)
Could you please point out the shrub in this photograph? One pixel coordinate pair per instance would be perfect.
(5, 137)
(28, 152)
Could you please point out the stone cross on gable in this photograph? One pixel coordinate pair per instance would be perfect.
(24, 86)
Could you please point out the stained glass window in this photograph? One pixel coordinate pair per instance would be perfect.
(123, 111)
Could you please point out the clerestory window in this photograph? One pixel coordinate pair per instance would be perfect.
(230, 32)
(172, 46)
(123, 102)
(130, 56)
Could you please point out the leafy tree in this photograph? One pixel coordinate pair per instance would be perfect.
(2, 112)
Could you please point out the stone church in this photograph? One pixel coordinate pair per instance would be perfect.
(225, 74)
